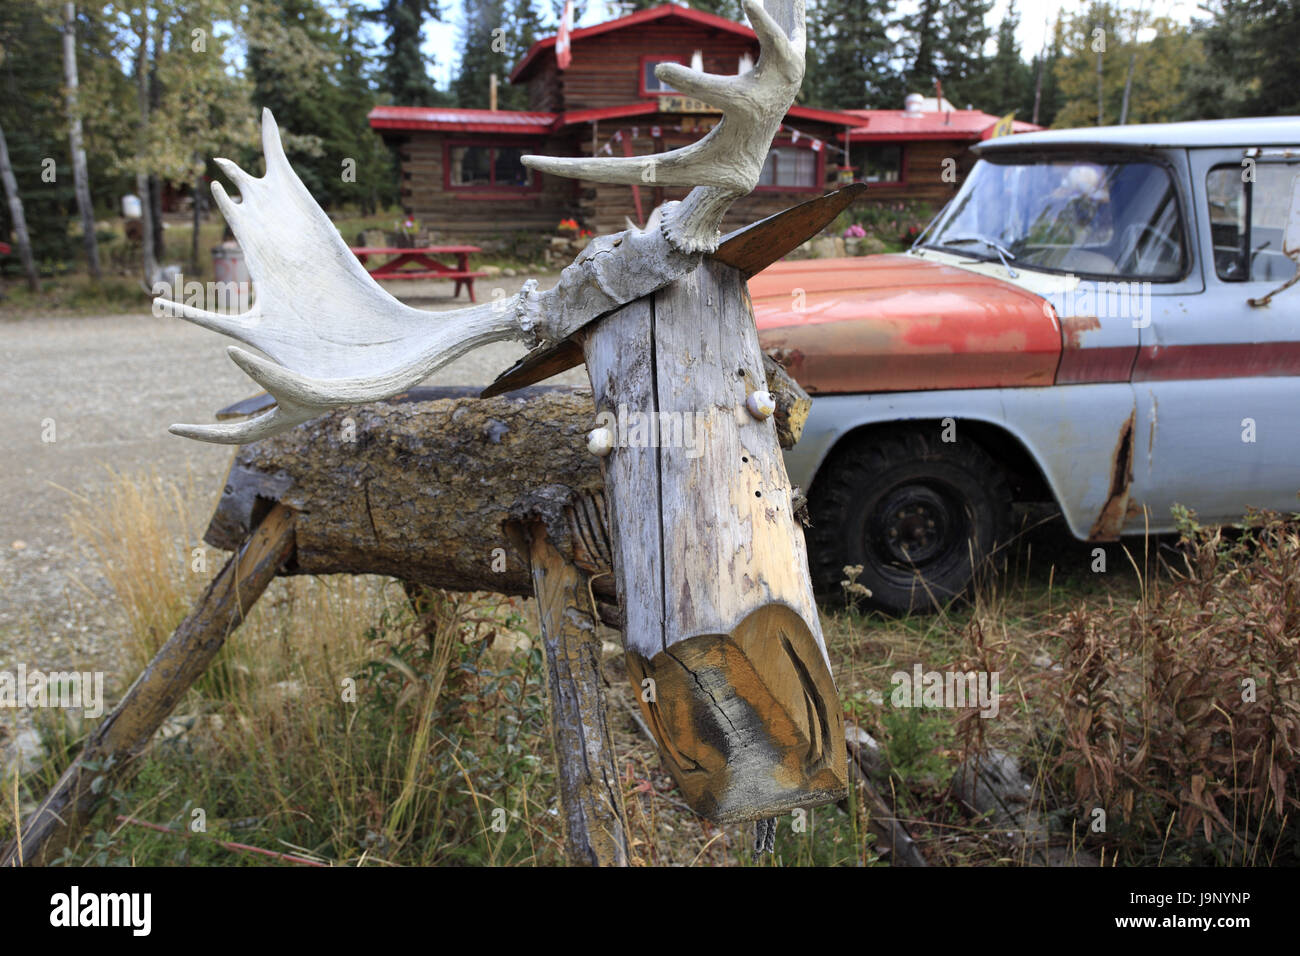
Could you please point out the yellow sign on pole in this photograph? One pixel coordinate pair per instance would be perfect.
(1004, 127)
(685, 104)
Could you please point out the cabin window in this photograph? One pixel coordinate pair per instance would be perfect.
(488, 167)
(877, 163)
(789, 167)
(651, 85)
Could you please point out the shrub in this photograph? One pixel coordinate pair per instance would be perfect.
(1182, 713)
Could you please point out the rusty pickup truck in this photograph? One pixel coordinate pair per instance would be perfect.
(1099, 318)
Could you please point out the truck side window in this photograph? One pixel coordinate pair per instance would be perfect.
(1247, 221)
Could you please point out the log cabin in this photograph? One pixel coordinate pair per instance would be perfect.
(901, 154)
(461, 170)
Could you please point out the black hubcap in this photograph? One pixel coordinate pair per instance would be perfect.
(914, 525)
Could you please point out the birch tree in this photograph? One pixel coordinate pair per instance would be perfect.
(16, 215)
(75, 140)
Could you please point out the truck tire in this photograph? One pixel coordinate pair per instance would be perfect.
(917, 513)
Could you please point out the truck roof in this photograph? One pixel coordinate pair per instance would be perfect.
(1252, 131)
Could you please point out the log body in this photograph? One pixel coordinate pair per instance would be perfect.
(422, 487)
(709, 559)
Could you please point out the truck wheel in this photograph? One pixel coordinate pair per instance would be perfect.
(918, 514)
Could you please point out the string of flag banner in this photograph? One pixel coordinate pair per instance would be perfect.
(634, 132)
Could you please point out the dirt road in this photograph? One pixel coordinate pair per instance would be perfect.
(85, 395)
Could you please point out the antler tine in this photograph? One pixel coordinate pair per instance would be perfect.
(333, 336)
(728, 161)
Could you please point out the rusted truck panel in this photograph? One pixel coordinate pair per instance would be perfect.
(1074, 452)
(897, 323)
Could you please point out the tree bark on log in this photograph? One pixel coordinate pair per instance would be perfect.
(722, 630)
(595, 821)
(422, 488)
(125, 732)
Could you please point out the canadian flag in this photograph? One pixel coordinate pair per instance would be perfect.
(563, 53)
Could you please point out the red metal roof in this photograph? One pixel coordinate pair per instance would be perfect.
(538, 124)
(464, 121)
(900, 125)
(636, 19)
(834, 117)
(642, 108)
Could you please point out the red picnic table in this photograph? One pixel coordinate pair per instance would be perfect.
(425, 266)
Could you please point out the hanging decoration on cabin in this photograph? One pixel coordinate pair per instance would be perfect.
(563, 41)
(656, 132)
(720, 629)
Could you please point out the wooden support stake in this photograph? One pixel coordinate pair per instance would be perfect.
(709, 558)
(125, 733)
(889, 830)
(595, 821)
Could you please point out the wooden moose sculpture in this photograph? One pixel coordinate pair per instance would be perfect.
(720, 627)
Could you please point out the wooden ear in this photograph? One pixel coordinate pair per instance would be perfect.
(755, 247)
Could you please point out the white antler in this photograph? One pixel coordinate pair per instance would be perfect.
(335, 336)
(726, 164)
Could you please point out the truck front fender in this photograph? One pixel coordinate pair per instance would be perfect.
(1079, 436)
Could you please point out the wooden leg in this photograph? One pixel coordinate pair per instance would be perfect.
(126, 732)
(595, 821)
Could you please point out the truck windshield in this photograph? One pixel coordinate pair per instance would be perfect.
(1115, 219)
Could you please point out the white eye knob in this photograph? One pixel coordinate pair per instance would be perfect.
(600, 441)
(761, 405)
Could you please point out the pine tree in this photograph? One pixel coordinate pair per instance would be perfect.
(484, 40)
(722, 8)
(1249, 49)
(945, 41)
(32, 115)
(405, 73)
(1002, 87)
(849, 54)
(307, 66)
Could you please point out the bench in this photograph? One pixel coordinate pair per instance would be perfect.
(424, 265)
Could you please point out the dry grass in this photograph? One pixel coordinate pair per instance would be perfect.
(346, 724)
(1182, 710)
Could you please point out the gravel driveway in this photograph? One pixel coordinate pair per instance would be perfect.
(105, 389)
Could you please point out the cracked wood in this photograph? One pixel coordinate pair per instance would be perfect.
(595, 821)
(710, 561)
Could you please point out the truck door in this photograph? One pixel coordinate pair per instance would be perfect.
(1218, 379)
